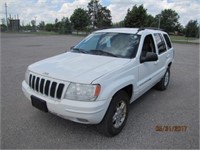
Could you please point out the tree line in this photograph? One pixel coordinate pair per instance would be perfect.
(168, 20)
(97, 16)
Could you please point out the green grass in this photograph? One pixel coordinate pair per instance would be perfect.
(42, 33)
(183, 39)
(174, 37)
(36, 33)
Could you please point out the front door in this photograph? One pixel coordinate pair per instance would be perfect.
(147, 70)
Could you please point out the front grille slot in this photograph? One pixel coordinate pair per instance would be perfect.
(30, 78)
(46, 91)
(37, 84)
(46, 87)
(59, 91)
(33, 83)
(53, 88)
(42, 86)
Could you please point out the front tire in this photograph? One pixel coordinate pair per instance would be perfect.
(116, 115)
(164, 82)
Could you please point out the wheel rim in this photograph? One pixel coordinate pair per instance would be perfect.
(166, 78)
(120, 114)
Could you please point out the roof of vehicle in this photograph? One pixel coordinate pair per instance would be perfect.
(131, 30)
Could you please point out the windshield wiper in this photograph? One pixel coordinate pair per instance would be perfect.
(101, 52)
(79, 50)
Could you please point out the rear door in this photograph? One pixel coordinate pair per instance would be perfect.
(162, 55)
(170, 49)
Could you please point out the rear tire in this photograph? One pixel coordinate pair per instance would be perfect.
(116, 115)
(164, 82)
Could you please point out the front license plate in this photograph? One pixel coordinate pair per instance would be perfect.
(39, 103)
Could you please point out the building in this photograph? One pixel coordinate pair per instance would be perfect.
(14, 25)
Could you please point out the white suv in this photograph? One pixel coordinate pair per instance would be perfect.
(96, 80)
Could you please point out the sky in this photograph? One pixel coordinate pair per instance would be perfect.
(49, 10)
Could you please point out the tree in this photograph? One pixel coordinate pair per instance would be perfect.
(57, 25)
(150, 21)
(41, 26)
(33, 23)
(3, 27)
(168, 20)
(179, 28)
(65, 26)
(99, 16)
(49, 27)
(79, 19)
(118, 24)
(136, 17)
(28, 27)
(192, 29)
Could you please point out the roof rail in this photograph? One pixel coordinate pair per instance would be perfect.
(152, 28)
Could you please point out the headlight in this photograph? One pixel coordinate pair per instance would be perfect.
(82, 92)
(27, 76)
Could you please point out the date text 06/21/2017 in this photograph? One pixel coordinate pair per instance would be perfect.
(164, 128)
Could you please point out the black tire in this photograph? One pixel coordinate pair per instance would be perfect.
(110, 126)
(164, 82)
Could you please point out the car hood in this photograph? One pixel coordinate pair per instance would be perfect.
(77, 67)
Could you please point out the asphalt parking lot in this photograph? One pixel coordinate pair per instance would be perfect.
(24, 127)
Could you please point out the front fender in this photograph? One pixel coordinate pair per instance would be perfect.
(114, 81)
(109, 90)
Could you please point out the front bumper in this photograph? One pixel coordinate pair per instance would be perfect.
(77, 111)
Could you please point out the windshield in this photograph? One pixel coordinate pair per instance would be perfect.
(109, 44)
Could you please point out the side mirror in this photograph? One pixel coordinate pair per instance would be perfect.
(150, 56)
(70, 49)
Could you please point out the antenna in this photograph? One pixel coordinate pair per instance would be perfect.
(140, 29)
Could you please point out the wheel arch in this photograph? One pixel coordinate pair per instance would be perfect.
(128, 89)
(111, 87)
(169, 65)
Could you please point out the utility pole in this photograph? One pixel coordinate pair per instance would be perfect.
(159, 21)
(35, 23)
(6, 15)
(93, 14)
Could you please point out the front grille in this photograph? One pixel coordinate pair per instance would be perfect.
(46, 87)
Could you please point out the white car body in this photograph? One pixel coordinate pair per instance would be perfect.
(111, 73)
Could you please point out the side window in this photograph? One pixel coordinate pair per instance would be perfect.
(160, 43)
(169, 45)
(148, 45)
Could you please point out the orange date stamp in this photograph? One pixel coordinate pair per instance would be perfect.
(169, 128)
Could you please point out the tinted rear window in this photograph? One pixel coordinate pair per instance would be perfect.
(169, 45)
(160, 43)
